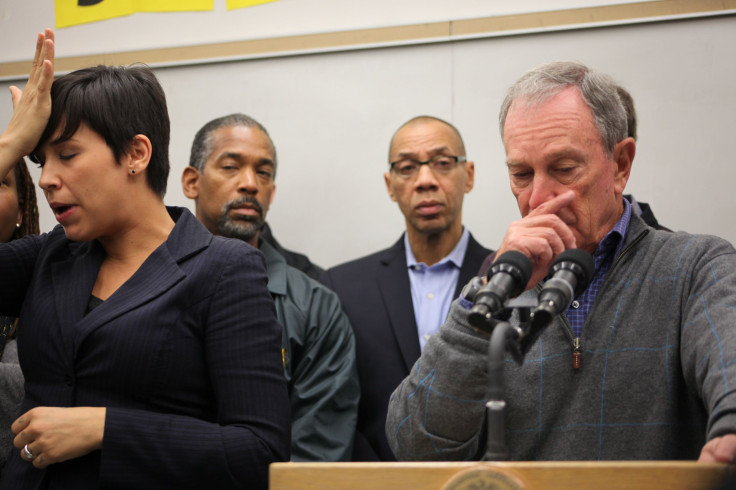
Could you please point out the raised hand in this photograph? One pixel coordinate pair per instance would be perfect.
(541, 235)
(31, 107)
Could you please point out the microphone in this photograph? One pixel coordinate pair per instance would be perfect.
(571, 273)
(507, 277)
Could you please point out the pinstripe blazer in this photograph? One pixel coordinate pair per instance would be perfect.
(185, 355)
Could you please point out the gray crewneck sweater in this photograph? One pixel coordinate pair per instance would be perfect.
(658, 373)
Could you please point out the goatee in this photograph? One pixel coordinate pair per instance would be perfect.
(242, 227)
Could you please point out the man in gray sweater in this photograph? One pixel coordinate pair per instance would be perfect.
(642, 365)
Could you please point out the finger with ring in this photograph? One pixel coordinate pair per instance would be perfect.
(28, 453)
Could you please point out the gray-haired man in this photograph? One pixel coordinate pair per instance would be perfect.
(654, 330)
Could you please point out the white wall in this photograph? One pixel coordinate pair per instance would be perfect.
(19, 18)
(331, 116)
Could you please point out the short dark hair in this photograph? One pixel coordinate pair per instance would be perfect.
(202, 144)
(118, 103)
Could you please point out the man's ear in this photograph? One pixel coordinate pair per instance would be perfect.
(623, 156)
(139, 154)
(470, 181)
(190, 182)
(387, 179)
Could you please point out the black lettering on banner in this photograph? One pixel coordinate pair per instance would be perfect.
(87, 3)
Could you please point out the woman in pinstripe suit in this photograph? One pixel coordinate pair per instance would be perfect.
(150, 348)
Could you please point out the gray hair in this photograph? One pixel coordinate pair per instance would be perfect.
(202, 144)
(628, 101)
(597, 89)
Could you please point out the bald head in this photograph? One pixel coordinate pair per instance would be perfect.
(429, 121)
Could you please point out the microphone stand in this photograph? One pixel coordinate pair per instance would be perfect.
(570, 275)
(504, 337)
(496, 449)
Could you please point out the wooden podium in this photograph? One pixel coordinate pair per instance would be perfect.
(575, 475)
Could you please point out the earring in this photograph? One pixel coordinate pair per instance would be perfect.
(17, 225)
(132, 172)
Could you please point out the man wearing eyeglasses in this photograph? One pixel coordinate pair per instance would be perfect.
(397, 298)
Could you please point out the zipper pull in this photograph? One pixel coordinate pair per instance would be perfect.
(576, 357)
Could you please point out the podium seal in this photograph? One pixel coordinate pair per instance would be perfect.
(484, 478)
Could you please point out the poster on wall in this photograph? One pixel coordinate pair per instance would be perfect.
(74, 12)
(173, 5)
(238, 4)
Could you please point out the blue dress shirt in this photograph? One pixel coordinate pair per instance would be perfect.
(607, 251)
(432, 288)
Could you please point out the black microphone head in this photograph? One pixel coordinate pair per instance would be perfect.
(585, 269)
(515, 259)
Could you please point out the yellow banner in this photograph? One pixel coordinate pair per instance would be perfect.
(173, 5)
(74, 12)
(239, 4)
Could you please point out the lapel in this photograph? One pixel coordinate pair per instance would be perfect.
(74, 279)
(393, 284)
(474, 257)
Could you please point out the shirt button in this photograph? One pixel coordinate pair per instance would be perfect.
(575, 304)
(417, 267)
(430, 296)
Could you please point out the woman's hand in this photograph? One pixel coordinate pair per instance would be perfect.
(54, 434)
(31, 107)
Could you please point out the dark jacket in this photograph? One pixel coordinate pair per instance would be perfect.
(319, 361)
(185, 355)
(294, 259)
(376, 295)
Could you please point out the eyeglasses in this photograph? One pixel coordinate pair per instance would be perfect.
(440, 164)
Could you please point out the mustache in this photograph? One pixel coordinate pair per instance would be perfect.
(244, 200)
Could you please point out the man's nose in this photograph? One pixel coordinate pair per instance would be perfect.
(247, 180)
(425, 178)
(544, 188)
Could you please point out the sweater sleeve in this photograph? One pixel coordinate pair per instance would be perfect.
(436, 412)
(708, 331)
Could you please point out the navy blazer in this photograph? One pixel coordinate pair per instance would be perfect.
(185, 355)
(376, 295)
